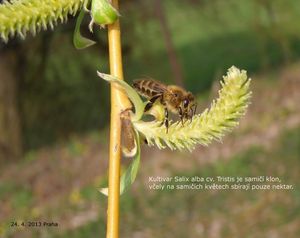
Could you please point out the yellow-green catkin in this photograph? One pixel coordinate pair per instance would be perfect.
(221, 117)
(19, 17)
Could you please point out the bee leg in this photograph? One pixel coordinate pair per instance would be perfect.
(191, 114)
(166, 119)
(151, 102)
(181, 115)
(148, 106)
(195, 108)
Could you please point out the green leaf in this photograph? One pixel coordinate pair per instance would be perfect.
(79, 41)
(131, 93)
(129, 175)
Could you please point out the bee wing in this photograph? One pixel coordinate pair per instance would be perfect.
(152, 86)
(158, 87)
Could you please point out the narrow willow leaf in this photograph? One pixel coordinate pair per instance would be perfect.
(104, 191)
(131, 93)
(129, 175)
(79, 41)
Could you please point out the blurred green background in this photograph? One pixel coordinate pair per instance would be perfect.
(54, 152)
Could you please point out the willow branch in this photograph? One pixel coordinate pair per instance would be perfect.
(119, 101)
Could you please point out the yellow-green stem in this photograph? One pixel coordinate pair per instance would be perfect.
(119, 102)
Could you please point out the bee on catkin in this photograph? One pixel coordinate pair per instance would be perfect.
(172, 97)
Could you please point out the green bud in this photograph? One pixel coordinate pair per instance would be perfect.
(103, 13)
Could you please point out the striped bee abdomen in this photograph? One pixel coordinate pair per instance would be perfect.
(149, 88)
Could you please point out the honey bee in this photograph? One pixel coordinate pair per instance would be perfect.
(172, 97)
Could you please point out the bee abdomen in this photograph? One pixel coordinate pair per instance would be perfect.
(147, 88)
(138, 85)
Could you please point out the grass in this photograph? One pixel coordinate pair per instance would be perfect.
(17, 196)
(96, 228)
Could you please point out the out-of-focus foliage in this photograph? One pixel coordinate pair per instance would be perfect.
(64, 96)
(210, 35)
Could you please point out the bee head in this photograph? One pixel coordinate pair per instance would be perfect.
(188, 100)
(188, 105)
